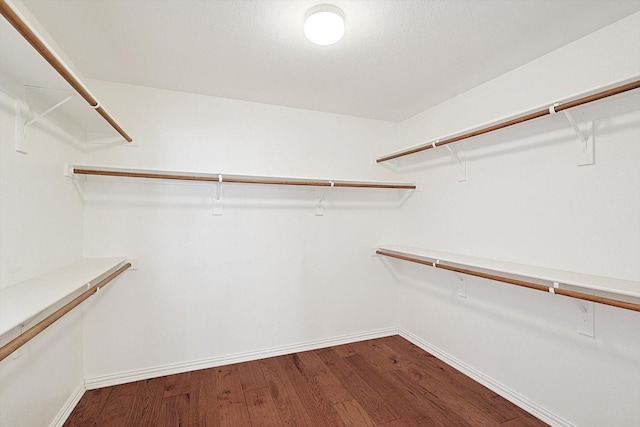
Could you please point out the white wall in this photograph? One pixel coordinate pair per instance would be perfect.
(526, 201)
(40, 230)
(268, 273)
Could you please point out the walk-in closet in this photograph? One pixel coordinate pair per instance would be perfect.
(297, 213)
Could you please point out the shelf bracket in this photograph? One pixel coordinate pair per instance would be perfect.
(48, 110)
(319, 206)
(217, 200)
(19, 130)
(585, 142)
(460, 160)
(462, 286)
(23, 122)
(586, 318)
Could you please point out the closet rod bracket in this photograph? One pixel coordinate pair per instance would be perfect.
(69, 172)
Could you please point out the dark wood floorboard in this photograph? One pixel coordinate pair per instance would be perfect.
(383, 382)
(373, 402)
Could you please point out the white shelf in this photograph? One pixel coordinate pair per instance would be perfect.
(548, 276)
(21, 302)
(614, 92)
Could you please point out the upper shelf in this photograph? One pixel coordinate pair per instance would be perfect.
(238, 179)
(546, 279)
(27, 76)
(540, 112)
(21, 302)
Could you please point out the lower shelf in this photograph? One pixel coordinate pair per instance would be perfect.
(604, 290)
(23, 301)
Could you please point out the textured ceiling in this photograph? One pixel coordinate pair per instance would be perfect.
(397, 57)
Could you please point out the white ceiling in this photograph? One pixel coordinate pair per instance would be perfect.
(398, 57)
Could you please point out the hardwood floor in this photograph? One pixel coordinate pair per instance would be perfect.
(383, 382)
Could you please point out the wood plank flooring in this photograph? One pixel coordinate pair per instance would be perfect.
(383, 382)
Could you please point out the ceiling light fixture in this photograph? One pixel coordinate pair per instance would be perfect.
(324, 24)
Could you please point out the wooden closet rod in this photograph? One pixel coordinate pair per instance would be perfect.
(520, 119)
(366, 185)
(25, 337)
(516, 282)
(240, 180)
(23, 28)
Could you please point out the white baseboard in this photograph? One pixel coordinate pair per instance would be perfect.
(176, 368)
(71, 403)
(211, 362)
(499, 388)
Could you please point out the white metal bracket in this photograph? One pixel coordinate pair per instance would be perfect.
(319, 206)
(585, 141)
(462, 286)
(460, 160)
(217, 200)
(23, 122)
(19, 129)
(586, 318)
(48, 110)
(68, 171)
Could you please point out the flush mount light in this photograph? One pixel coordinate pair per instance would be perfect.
(324, 24)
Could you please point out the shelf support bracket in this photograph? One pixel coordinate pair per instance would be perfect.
(462, 286)
(585, 141)
(586, 318)
(19, 129)
(48, 110)
(319, 206)
(217, 200)
(460, 160)
(22, 110)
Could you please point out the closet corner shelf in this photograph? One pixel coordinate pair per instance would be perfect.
(21, 302)
(540, 278)
(233, 179)
(26, 46)
(558, 107)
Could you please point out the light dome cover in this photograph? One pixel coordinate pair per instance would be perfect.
(324, 24)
